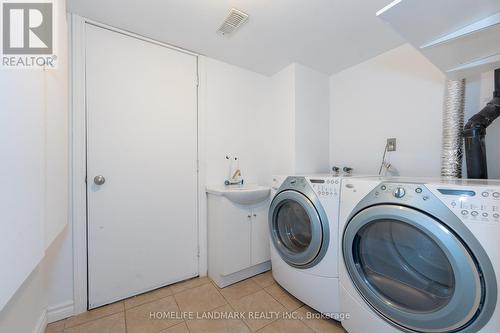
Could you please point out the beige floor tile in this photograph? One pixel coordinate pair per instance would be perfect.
(94, 314)
(264, 280)
(319, 325)
(275, 290)
(203, 298)
(229, 325)
(56, 327)
(272, 284)
(282, 296)
(259, 308)
(110, 324)
(140, 320)
(147, 297)
(240, 289)
(188, 284)
(179, 328)
(286, 326)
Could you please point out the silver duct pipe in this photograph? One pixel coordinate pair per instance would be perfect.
(453, 124)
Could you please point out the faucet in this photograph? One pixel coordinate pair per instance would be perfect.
(347, 171)
(234, 177)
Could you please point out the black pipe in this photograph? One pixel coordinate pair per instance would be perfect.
(475, 132)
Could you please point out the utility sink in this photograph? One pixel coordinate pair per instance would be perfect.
(242, 194)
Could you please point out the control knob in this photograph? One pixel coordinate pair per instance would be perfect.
(399, 192)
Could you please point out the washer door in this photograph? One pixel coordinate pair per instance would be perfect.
(299, 229)
(412, 269)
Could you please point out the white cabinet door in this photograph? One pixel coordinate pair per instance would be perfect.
(237, 240)
(260, 234)
(142, 137)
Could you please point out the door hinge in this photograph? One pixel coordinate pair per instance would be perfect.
(197, 166)
(198, 251)
(197, 80)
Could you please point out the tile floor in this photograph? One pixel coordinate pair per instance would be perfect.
(274, 310)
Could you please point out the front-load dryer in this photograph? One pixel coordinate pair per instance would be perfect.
(303, 220)
(420, 255)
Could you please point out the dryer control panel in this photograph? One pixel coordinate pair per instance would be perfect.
(472, 204)
(479, 204)
(402, 192)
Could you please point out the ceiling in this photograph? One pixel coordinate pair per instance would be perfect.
(326, 35)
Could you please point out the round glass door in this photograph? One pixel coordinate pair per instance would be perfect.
(294, 226)
(412, 270)
(404, 266)
(298, 229)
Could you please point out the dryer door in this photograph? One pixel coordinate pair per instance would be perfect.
(299, 228)
(413, 270)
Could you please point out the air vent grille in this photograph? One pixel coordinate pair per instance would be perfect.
(235, 19)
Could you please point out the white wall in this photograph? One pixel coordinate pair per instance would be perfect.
(301, 121)
(59, 260)
(56, 135)
(22, 175)
(237, 116)
(275, 125)
(397, 94)
(283, 121)
(25, 312)
(34, 178)
(59, 271)
(479, 91)
(312, 108)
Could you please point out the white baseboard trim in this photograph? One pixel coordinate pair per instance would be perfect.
(224, 281)
(41, 324)
(60, 311)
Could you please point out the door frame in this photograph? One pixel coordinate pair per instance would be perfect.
(78, 150)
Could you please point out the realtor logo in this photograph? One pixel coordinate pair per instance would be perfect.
(27, 30)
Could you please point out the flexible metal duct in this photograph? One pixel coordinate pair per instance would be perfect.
(453, 124)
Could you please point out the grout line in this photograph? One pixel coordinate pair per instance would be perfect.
(244, 322)
(125, 317)
(233, 309)
(154, 300)
(277, 300)
(178, 307)
(90, 321)
(198, 277)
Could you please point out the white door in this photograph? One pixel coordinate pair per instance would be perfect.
(142, 138)
(237, 240)
(260, 234)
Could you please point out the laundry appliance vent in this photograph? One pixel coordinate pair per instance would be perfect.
(235, 19)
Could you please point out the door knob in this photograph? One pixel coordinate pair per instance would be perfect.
(99, 180)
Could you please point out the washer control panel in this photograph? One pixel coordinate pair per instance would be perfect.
(325, 187)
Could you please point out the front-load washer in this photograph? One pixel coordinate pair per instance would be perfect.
(420, 255)
(303, 220)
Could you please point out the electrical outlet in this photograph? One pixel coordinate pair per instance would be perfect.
(391, 144)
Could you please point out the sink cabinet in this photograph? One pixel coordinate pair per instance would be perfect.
(238, 240)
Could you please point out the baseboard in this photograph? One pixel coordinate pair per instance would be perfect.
(41, 323)
(60, 311)
(226, 280)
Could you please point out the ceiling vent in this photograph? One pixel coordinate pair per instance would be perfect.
(235, 19)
